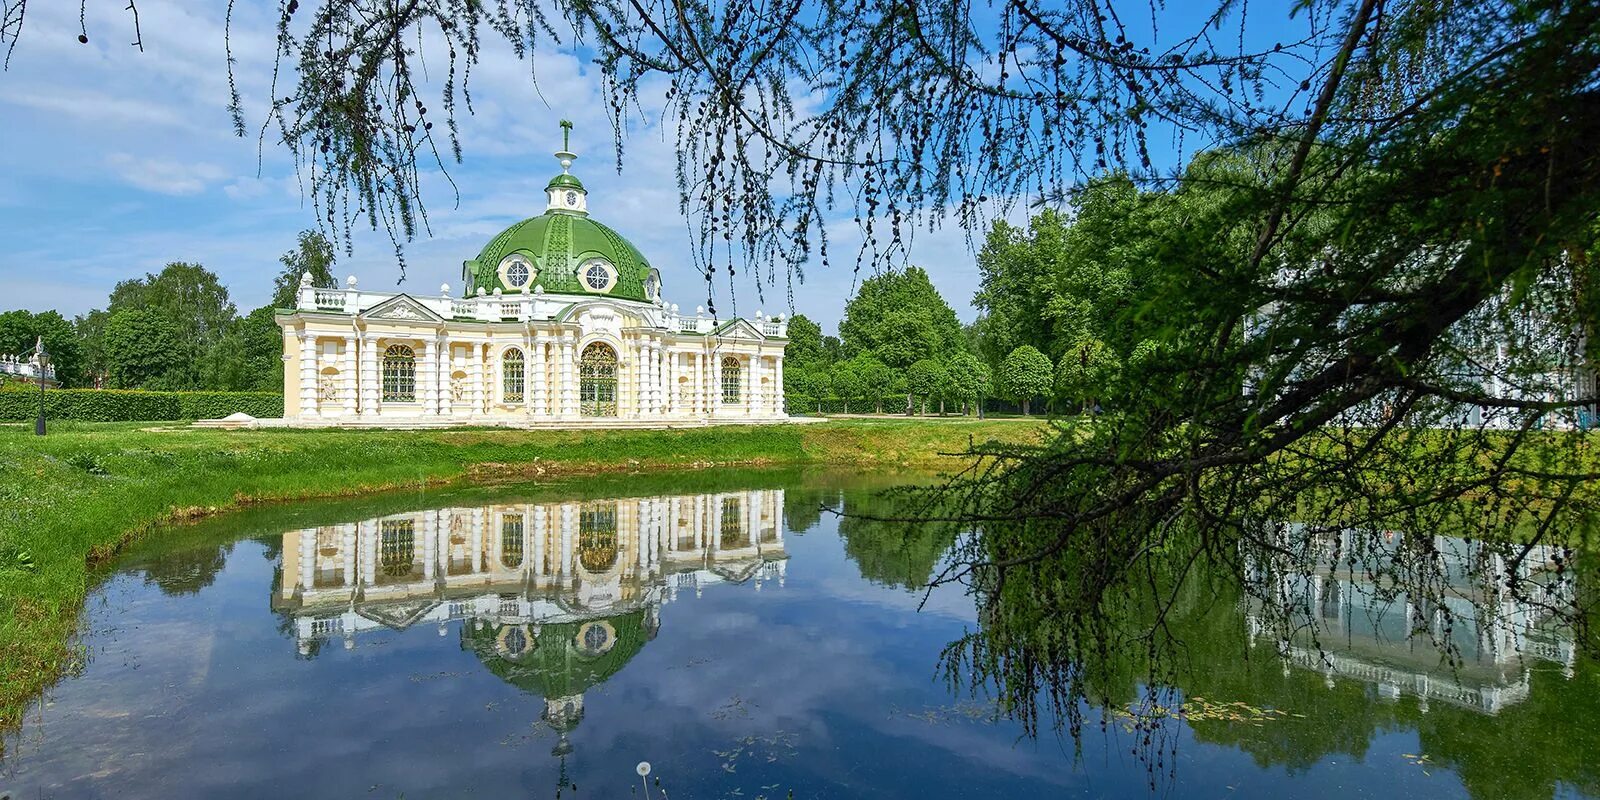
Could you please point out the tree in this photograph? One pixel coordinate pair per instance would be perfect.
(1024, 375)
(142, 350)
(194, 305)
(969, 380)
(262, 343)
(928, 379)
(805, 343)
(90, 329)
(1085, 372)
(313, 255)
(899, 318)
(20, 332)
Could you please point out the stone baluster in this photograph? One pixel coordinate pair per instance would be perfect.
(308, 375)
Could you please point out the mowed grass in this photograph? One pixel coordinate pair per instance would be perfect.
(71, 500)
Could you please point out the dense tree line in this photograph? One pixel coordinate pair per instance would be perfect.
(174, 330)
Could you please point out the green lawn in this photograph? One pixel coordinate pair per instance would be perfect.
(71, 500)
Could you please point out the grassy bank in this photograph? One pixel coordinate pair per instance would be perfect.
(71, 500)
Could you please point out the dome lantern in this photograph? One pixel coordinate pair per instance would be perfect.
(566, 192)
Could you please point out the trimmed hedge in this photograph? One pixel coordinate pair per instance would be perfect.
(113, 405)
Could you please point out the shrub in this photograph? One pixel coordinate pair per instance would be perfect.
(111, 405)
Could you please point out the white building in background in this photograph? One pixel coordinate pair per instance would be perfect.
(561, 322)
(26, 370)
(1348, 624)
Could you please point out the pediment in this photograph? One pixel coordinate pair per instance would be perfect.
(403, 308)
(738, 329)
(398, 616)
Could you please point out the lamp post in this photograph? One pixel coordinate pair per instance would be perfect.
(40, 357)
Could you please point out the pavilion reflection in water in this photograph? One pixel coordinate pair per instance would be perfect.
(553, 597)
(1366, 630)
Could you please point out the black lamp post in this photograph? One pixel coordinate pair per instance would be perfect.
(40, 357)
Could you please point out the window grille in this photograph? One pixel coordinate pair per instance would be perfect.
(399, 375)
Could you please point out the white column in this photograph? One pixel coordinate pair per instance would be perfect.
(569, 531)
(308, 374)
(527, 373)
(308, 559)
(569, 376)
(779, 408)
(369, 552)
(658, 372)
(714, 392)
(428, 377)
(347, 376)
(430, 542)
(541, 532)
(371, 391)
(541, 404)
(752, 398)
(777, 514)
(347, 550)
(641, 528)
(442, 367)
(475, 379)
(697, 382)
(476, 540)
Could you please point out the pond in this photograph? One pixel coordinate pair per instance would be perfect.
(543, 641)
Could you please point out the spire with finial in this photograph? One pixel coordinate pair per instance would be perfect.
(566, 191)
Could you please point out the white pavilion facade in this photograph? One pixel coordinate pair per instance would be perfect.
(561, 322)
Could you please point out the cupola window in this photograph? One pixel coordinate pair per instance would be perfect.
(598, 275)
(517, 275)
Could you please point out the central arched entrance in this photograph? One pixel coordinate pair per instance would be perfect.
(597, 381)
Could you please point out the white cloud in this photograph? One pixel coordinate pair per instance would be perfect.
(166, 175)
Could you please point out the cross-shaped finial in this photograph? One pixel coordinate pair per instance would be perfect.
(566, 135)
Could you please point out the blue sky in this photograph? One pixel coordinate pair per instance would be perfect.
(114, 162)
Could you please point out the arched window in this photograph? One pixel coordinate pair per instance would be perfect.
(399, 375)
(730, 380)
(514, 376)
(597, 381)
(732, 528)
(597, 536)
(397, 540)
(511, 540)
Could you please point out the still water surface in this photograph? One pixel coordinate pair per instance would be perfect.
(520, 642)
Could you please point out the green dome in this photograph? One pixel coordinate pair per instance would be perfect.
(553, 663)
(557, 243)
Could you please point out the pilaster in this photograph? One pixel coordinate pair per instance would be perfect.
(308, 374)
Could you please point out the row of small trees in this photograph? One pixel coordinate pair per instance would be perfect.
(175, 330)
(899, 338)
